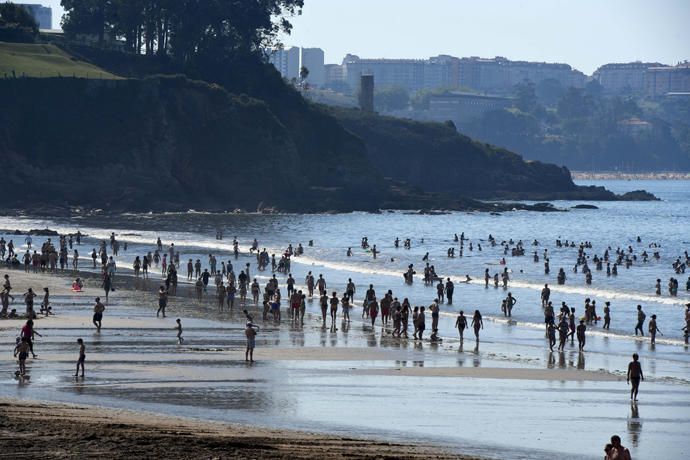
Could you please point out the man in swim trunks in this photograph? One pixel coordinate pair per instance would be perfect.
(250, 332)
(98, 310)
(635, 375)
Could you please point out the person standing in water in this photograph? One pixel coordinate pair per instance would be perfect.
(477, 324)
(22, 349)
(635, 375)
(82, 358)
(653, 329)
(607, 315)
(640, 320)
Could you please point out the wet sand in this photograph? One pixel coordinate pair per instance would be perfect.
(354, 382)
(39, 430)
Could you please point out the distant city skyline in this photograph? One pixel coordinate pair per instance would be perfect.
(585, 33)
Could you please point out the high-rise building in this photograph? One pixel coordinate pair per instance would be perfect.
(500, 75)
(411, 74)
(627, 78)
(42, 14)
(442, 72)
(485, 75)
(286, 61)
(660, 81)
(405, 73)
(462, 108)
(313, 60)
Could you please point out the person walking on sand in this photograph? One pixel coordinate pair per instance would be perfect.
(477, 324)
(653, 329)
(373, 309)
(461, 324)
(421, 323)
(634, 376)
(162, 301)
(581, 328)
(551, 334)
(82, 358)
(617, 451)
(98, 310)
(107, 284)
(250, 332)
(29, 296)
(323, 303)
(179, 331)
(334, 307)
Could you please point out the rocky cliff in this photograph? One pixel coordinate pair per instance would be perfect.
(170, 143)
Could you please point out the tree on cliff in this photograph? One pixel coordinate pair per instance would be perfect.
(182, 29)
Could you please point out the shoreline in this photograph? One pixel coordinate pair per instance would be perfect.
(47, 429)
(135, 364)
(614, 175)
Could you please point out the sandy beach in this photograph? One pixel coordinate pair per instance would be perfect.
(40, 430)
(315, 391)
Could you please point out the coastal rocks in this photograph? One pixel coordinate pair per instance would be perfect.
(44, 232)
(638, 195)
(585, 206)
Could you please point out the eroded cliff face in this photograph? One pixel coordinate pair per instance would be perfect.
(437, 158)
(171, 143)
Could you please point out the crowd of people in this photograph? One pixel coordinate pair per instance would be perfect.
(399, 318)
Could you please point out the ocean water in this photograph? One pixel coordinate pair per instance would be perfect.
(614, 225)
(504, 342)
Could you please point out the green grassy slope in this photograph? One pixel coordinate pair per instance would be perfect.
(40, 60)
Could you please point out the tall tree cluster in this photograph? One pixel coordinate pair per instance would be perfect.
(182, 29)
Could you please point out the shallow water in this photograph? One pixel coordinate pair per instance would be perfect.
(529, 419)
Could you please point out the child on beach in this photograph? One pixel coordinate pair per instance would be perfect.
(22, 349)
(82, 358)
(179, 331)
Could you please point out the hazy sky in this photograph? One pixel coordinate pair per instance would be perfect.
(582, 33)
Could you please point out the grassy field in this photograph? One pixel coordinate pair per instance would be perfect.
(38, 60)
